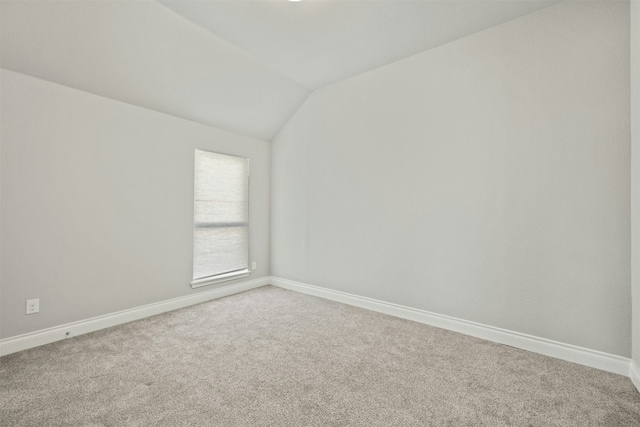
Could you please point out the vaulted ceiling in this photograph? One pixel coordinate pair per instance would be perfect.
(243, 65)
(319, 42)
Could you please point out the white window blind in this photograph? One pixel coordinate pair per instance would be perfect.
(221, 218)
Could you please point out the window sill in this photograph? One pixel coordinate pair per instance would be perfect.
(220, 278)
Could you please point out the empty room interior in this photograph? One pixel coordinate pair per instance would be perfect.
(320, 213)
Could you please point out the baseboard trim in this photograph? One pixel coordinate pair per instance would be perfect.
(634, 374)
(583, 356)
(57, 333)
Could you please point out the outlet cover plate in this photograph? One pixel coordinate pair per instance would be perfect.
(33, 306)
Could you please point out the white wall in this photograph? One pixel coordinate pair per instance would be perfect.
(635, 170)
(97, 203)
(487, 179)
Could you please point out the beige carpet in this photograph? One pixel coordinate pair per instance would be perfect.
(271, 357)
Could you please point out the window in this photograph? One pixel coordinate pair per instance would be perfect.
(221, 218)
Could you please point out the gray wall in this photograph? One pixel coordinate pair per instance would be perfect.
(635, 168)
(97, 203)
(487, 179)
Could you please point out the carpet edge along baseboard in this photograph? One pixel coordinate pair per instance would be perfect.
(57, 333)
(571, 353)
(580, 355)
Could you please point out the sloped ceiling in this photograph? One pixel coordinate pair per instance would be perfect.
(319, 42)
(241, 65)
(142, 53)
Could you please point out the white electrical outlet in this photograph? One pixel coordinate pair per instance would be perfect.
(254, 265)
(33, 306)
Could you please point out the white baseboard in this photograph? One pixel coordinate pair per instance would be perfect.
(583, 356)
(634, 374)
(57, 333)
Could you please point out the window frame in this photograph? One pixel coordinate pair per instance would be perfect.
(229, 275)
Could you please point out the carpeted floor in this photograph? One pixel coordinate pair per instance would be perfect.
(271, 357)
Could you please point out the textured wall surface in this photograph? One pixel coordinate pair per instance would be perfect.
(97, 203)
(487, 179)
